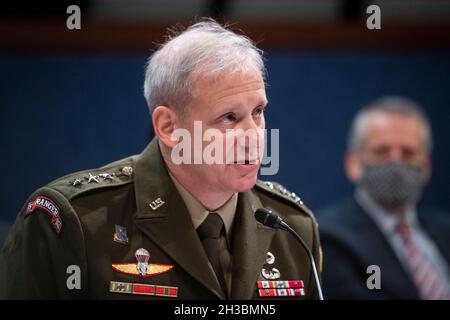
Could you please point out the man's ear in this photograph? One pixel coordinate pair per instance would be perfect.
(427, 170)
(353, 167)
(164, 122)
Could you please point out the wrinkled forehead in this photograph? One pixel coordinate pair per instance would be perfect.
(393, 129)
(228, 83)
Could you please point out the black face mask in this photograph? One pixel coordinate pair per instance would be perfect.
(392, 184)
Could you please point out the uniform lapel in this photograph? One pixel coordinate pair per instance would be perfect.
(251, 242)
(170, 225)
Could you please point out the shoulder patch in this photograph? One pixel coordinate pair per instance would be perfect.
(50, 207)
(277, 189)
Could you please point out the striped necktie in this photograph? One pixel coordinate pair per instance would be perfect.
(424, 273)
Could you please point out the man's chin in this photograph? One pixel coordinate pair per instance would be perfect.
(244, 184)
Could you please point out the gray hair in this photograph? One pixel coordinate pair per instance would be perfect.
(205, 48)
(391, 105)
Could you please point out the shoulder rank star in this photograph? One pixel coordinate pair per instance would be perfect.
(92, 178)
(106, 176)
(142, 268)
(76, 182)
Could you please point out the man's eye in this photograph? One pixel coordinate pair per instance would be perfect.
(258, 111)
(408, 153)
(229, 118)
(381, 150)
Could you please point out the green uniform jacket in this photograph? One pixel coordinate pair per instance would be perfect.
(62, 244)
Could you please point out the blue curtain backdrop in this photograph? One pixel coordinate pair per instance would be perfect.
(61, 114)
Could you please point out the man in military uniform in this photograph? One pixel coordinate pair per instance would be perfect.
(147, 227)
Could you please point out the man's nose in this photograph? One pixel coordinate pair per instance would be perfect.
(395, 154)
(249, 124)
(250, 136)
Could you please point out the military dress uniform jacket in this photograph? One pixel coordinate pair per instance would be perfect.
(82, 236)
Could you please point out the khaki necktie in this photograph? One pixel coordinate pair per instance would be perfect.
(210, 233)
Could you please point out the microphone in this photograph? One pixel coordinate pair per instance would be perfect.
(270, 219)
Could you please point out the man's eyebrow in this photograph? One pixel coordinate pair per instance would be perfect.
(231, 108)
(262, 104)
(238, 106)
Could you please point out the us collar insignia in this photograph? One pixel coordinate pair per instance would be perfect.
(120, 235)
(142, 268)
(155, 204)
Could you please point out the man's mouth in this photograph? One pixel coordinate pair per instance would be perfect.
(247, 162)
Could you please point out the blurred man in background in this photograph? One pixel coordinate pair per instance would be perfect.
(389, 161)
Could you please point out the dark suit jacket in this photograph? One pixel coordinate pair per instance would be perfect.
(4, 229)
(351, 242)
(34, 260)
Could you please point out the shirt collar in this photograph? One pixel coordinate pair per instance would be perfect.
(199, 213)
(387, 221)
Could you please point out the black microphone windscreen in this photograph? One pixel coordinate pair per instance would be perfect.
(266, 217)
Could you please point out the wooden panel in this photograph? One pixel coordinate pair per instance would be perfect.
(34, 36)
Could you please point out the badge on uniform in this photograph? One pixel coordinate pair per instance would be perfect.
(281, 288)
(155, 204)
(143, 289)
(50, 207)
(277, 288)
(142, 268)
(273, 273)
(120, 235)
